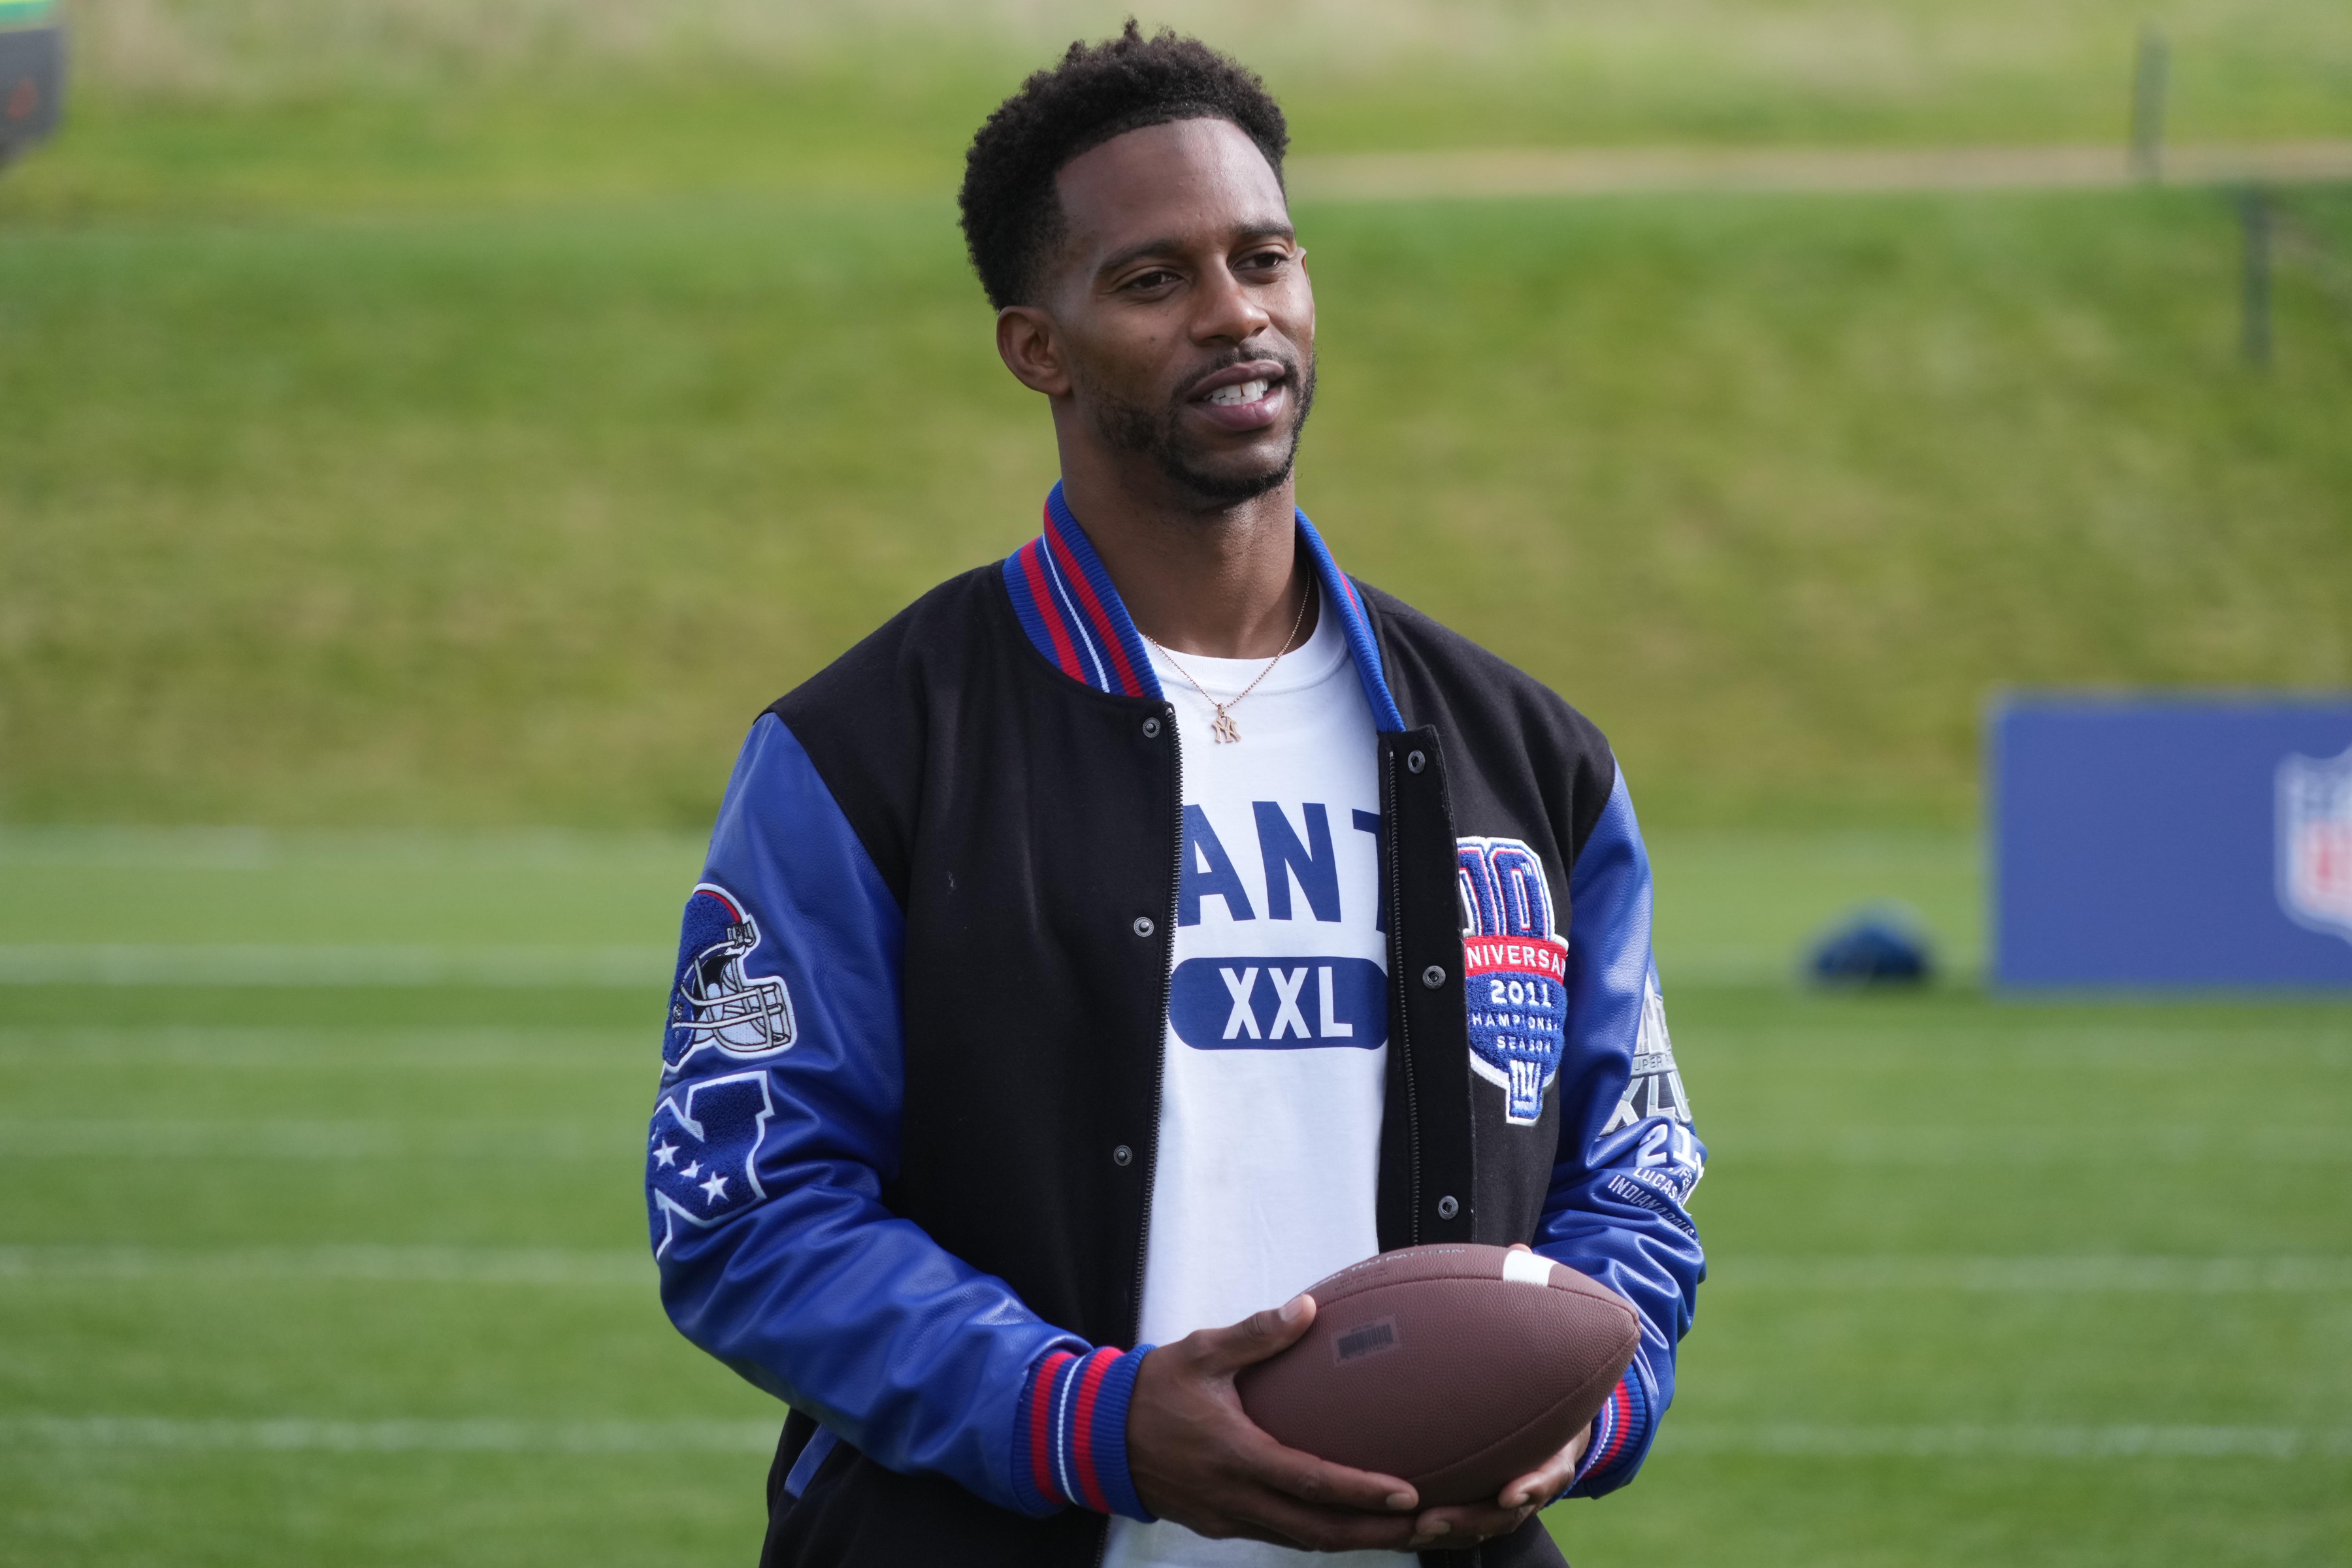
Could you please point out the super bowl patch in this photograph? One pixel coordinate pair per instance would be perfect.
(1656, 1085)
(1515, 971)
(716, 1003)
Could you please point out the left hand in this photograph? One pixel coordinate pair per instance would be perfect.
(1464, 1524)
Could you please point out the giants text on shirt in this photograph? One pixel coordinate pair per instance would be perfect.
(1268, 1160)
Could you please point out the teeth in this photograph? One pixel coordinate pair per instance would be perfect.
(1245, 392)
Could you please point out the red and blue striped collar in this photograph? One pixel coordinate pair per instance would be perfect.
(1064, 598)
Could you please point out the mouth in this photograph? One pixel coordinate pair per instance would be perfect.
(1244, 397)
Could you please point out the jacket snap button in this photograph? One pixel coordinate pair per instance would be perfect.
(1447, 1208)
(1143, 926)
(1414, 762)
(1432, 978)
(1151, 729)
(1123, 1155)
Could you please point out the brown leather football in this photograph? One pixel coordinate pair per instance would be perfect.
(1458, 1368)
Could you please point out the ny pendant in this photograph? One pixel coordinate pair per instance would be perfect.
(1224, 728)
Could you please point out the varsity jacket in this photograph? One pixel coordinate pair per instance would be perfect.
(901, 1164)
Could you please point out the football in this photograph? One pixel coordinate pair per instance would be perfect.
(1457, 1368)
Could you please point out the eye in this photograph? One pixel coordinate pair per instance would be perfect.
(1158, 278)
(1265, 260)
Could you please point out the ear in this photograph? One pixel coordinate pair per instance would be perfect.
(1031, 347)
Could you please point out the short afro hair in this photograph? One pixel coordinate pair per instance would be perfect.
(1011, 217)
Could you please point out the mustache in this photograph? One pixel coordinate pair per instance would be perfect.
(1224, 361)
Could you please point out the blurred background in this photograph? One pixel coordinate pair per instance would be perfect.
(430, 431)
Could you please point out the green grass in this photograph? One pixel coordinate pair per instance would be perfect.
(243, 104)
(449, 415)
(417, 416)
(1936, 1220)
(521, 517)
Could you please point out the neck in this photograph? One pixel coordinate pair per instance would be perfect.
(1223, 582)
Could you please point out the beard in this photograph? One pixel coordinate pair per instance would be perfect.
(1154, 433)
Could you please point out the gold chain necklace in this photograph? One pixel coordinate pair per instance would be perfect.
(1223, 729)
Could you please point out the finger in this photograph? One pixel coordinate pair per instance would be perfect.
(1548, 1480)
(1259, 1335)
(1467, 1522)
(1539, 1486)
(1519, 1247)
(1301, 1476)
(1268, 1515)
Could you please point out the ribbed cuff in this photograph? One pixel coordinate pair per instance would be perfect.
(1069, 1436)
(1617, 1432)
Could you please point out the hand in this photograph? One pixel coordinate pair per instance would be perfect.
(1199, 1461)
(1464, 1524)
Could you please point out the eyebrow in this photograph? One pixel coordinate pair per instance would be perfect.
(1167, 244)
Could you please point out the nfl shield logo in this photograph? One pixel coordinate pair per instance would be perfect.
(2315, 843)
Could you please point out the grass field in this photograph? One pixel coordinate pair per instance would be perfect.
(411, 419)
(431, 430)
(296, 1273)
(246, 105)
(520, 517)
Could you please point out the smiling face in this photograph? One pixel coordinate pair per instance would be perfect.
(1179, 324)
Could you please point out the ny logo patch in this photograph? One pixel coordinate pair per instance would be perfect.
(700, 1165)
(1515, 969)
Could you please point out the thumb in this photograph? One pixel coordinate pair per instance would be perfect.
(1261, 1335)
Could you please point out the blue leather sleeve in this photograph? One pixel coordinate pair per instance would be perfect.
(1627, 1160)
(778, 1125)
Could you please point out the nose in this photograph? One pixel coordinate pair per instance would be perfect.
(1228, 309)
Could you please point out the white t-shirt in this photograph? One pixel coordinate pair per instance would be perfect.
(1269, 1162)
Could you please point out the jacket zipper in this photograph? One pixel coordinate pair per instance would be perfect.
(1404, 1004)
(1159, 1050)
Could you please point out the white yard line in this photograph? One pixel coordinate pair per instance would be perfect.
(1626, 171)
(24, 1137)
(370, 1264)
(2035, 1276)
(297, 964)
(1911, 1147)
(1961, 1441)
(334, 1048)
(30, 1138)
(1811, 1441)
(303, 1434)
(2031, 1276)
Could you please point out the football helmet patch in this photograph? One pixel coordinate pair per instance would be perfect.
(716, 1003)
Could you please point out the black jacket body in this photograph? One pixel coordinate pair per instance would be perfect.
(1031, 829)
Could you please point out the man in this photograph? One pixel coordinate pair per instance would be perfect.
(1089, 959)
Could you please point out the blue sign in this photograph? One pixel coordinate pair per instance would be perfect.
(2171, 841)
(32, 73)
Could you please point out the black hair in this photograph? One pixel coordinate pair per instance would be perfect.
(1011, 217)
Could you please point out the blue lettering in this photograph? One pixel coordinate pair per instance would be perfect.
(1208, 874)
(1314, 863)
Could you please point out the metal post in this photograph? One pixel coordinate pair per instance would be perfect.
(2254, 327)
(2150, 77)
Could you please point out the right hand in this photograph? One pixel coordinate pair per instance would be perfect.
(1197, 1460)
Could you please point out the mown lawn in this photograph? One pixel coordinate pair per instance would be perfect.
(520, 517)
(418, 418)
(296, 1273)
(418, 415)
